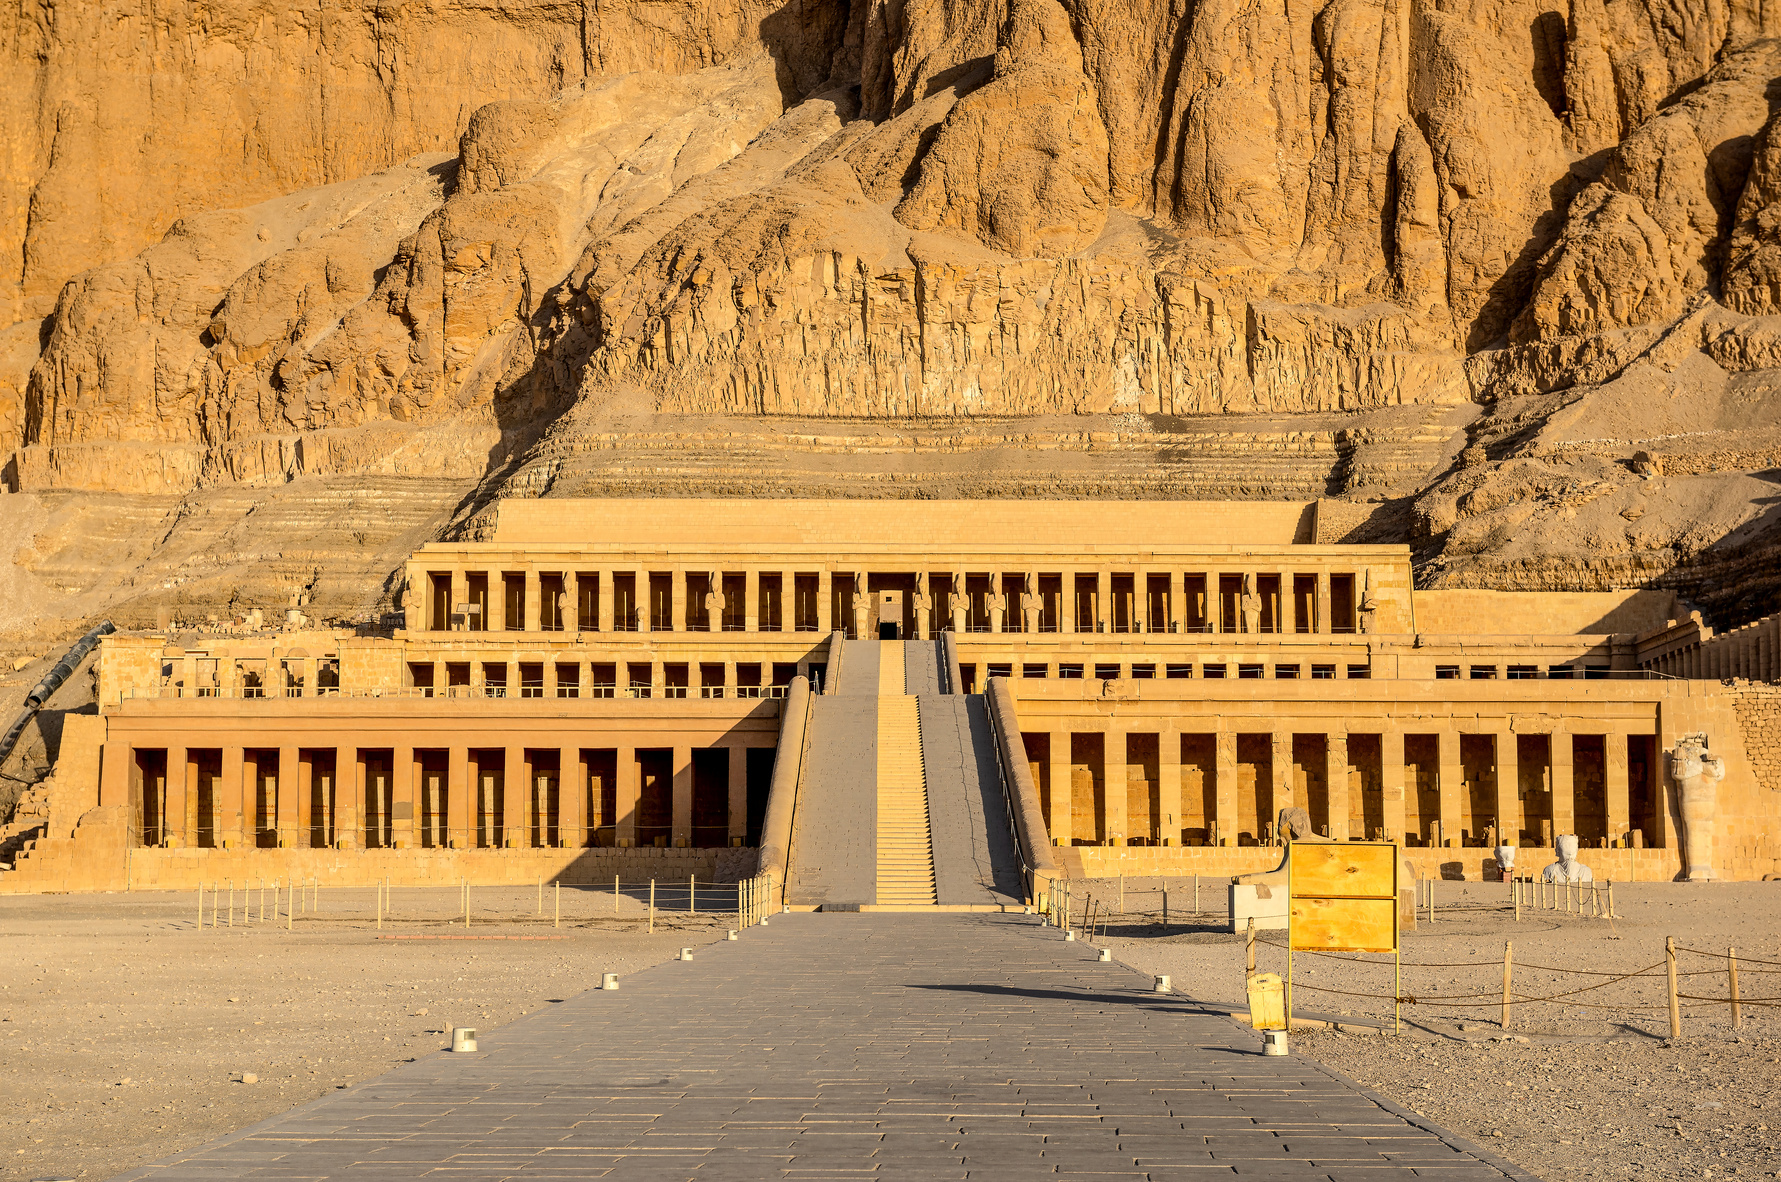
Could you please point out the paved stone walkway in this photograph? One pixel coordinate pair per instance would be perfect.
(861, 1046)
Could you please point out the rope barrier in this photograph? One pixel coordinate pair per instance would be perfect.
(1720, 955)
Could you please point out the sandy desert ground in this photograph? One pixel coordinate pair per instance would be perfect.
(1570, 1090)
(127, 1032)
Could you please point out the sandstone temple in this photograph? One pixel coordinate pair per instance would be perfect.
(908, 703)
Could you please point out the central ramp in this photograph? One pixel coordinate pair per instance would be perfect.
(900, 804)
(905, 843)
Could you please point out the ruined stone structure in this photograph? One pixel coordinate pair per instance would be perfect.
(715, 687)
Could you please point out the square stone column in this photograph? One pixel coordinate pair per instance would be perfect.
(1323, 602)
(496, 619)
(1564, 799)
(303, 784)
(1452, 782)
(572, 792)
(1177, 601)
(572, 621)
(232, 800)
(460, 593)
(532, 610)
(343, 818)
(825, 596)
(286, 785)
(1114, 777)
(738, 792)
(680, 830)
(173, 809)
(402, 810)
(515, 818)
(343, 813)
(460, 800)
(1168, 769)
(677, 599)
(1618, 789)
(628, 790)
(1281, 777)
(924, 625)
(1066, 606)
(606, 592)
(1391, 781)
(1225, 771)
(1508, 788)
(1215, 617)
(751, 599)
(1104, 601)
(1335, 760)
(1059, 822)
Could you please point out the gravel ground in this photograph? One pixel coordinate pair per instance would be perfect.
(127, 1032)
(1567, 1091)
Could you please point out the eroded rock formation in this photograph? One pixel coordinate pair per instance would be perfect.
(1546, 232)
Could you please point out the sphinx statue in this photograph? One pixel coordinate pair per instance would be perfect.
(1697, 775)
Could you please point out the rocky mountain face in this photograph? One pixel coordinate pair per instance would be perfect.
(1504, 274)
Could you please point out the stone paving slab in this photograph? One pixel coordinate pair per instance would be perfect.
(857, 1046)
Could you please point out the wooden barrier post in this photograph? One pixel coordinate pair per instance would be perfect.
(1165, 909)
(1675, 1008)
(652, 906)
(1731, 965)
(557, 920)
(1611, 914)
(615, 894)
(692, 893)
(1508, 968)
(1516, 883)
(1250, 943)
(1196, 896)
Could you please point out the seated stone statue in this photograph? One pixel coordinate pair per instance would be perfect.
(1567, 868)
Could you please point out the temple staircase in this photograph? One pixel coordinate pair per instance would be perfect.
(905, 840)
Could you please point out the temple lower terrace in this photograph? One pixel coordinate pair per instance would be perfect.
(907, 704)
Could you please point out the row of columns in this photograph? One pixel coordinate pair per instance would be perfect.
(582, 683)
(1010, 608)
(1395, 781)
(376, 813)
(1750, 652)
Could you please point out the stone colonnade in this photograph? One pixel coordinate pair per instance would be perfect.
(638, 791)
(540, 597)
(1164, 782)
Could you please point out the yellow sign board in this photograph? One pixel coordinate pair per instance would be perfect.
(1342, 896)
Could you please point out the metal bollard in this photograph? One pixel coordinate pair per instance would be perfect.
(609, 981)
(731, 935)
(685, 954)
(1106, 954)
(1162, 983)
(1273, 1042)
(463, 1038)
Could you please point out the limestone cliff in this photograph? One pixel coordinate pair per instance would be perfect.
(1463, 261)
